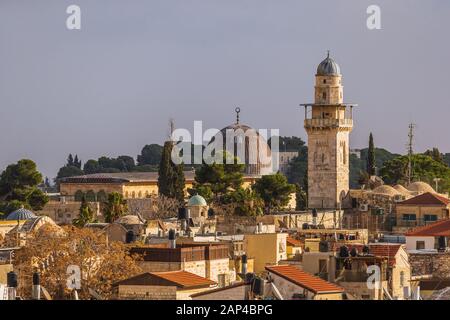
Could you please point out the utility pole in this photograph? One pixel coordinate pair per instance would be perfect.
(410, 150)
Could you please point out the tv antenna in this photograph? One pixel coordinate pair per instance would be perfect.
(410, 150)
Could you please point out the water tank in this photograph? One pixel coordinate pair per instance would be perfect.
(343, 252)
(366, 250)
(171, 234)
(258, 286)
(181, 213)
(244, 258)
(36, 279)
(130, 237)
(249, 277)
(11, 279)
(314, 213)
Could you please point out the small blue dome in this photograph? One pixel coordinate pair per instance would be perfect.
(197, 201)
(328, 67)
(21, 214)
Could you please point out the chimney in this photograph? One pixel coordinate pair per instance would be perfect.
(12, 285)
(172, 239)
(36, 291)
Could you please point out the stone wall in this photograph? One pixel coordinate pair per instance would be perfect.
(434, 264)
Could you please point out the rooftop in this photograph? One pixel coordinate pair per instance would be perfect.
(304, 279)
(437, 229)
(426, 199)
(126, 177)
(180, 279)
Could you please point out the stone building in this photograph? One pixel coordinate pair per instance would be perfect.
(209, 260)
(172, 285)
(131, 185)
(421, 210)
(328, 123)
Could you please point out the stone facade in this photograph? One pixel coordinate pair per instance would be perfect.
(430, 264)
(328, 132)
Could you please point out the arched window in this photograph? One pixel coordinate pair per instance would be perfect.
(79, 195)
(324, 80)
(324, 95)
(140, 194)
(102, 196)
(323, 157)
(133, 195)
(126, 195)
(91, 196)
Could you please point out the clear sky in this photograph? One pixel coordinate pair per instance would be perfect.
(110, 88)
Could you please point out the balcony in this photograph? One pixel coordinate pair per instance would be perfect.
(319, 123)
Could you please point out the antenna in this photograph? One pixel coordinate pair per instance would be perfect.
(171, 128)
(410, 150)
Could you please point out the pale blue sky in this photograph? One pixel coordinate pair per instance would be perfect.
(110, 88)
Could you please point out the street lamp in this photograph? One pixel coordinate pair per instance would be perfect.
(436, 180)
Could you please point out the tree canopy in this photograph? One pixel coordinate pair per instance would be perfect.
(51, 251)
(424, 168)
(19, 187)
(274, 190)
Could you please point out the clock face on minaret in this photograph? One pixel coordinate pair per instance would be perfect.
(328, 123)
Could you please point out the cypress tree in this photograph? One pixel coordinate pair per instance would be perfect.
(171, 181)
(371, 157)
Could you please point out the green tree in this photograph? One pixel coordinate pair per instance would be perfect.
(171, 181)
(217, 181)
(370, 167)
(115, 207)
(85, 216)
(424, 168)
(70, 161)
(150, 155)
(435, 154)
(68, 171)
(19, 187)
(301, 198)
(76, 162)
(247, 202)
(91, 166)
(274, 190)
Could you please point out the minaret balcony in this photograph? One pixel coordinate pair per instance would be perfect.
(328, 123)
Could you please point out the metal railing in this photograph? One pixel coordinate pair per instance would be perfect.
(323, 122)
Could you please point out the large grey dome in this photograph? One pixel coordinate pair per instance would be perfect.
(328, 67)
(21, 214)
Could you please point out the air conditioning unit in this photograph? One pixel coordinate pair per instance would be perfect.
(364, 207)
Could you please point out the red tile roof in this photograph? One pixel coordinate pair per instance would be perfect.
(180, 279)
(304, 279)
(437, 229)
(426, 199)
(293, 242)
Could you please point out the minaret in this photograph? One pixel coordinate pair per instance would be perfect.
(328, 123)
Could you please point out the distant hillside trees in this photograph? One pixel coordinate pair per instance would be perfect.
(150, 155)
(424, 168)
